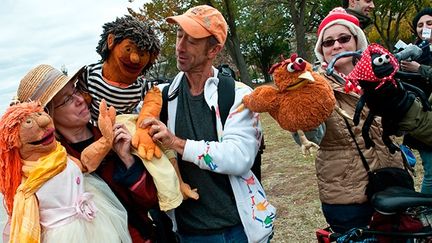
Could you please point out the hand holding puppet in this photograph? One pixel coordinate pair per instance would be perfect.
(384, 94)
(151, 108)
(47, 197)
(301, 100)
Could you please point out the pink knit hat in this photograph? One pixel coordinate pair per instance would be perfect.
(340, 16)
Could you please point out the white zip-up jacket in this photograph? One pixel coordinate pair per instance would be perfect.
(232, 155)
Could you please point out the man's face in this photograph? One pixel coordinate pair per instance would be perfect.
(191, 53)
(364, 7)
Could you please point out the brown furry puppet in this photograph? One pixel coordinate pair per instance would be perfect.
(301, 101)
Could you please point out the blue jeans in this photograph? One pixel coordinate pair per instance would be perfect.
(235, 234)
(426, 157)
(342, 217)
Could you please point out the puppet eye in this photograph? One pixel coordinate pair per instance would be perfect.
(28, 123)
(290, 68)
(386, 58)
(378, 61)
(299, 60)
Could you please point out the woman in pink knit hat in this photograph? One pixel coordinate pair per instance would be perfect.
(342, 177)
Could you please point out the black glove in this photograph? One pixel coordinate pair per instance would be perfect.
(387, 101)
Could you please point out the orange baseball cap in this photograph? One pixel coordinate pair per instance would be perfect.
(202, 21)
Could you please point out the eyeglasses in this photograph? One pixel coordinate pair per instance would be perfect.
(342, 40)
(69, 98)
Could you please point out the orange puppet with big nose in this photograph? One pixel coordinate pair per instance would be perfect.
(46, 194)
(128, 48)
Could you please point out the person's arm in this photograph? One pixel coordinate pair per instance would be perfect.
(314, 135)
(417, 123)
(239, 145)
(425, 71)
(412, 66)
(138, 181)
(240, 142)
(131, 173)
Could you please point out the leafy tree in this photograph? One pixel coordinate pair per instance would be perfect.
(158, 10)
(155, 13)
(389, 18)
(264, 41)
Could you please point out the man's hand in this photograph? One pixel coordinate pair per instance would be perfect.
(160, 134)
(142, 141)
(145, 145)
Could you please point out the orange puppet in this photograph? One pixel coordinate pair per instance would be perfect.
(128, 48)
(301, 100)
(47, 196)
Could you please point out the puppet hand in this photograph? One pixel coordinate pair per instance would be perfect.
(306, 145)
(92, 155)
(143, 142)
(106, 121)
(188, 192)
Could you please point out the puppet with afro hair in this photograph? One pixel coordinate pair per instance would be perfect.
(128, 48)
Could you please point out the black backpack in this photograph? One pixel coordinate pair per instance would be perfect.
(226, 88)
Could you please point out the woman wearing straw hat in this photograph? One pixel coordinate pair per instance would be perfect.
(129, 180)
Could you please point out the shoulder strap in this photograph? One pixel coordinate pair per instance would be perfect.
(365, 164)
(226, 96)
(164, 110)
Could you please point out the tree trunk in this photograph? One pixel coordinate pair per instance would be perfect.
(233, 45)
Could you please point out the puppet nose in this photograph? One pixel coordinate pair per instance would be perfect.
(43, 120)
(134, 57)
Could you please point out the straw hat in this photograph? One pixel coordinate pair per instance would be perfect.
(42, 83)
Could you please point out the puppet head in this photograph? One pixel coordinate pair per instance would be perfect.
(128, 47)
(304, 98)
(292, 73)
(376, 66)
(27, 133)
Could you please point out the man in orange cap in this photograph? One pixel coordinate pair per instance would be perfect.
(232, 206)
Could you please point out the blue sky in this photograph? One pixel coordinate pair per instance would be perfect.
(55, 32)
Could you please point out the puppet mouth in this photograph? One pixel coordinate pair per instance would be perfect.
(305, 78)
(47, 138)
(132, 68)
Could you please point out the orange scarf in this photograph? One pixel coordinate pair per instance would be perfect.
(25, 225)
